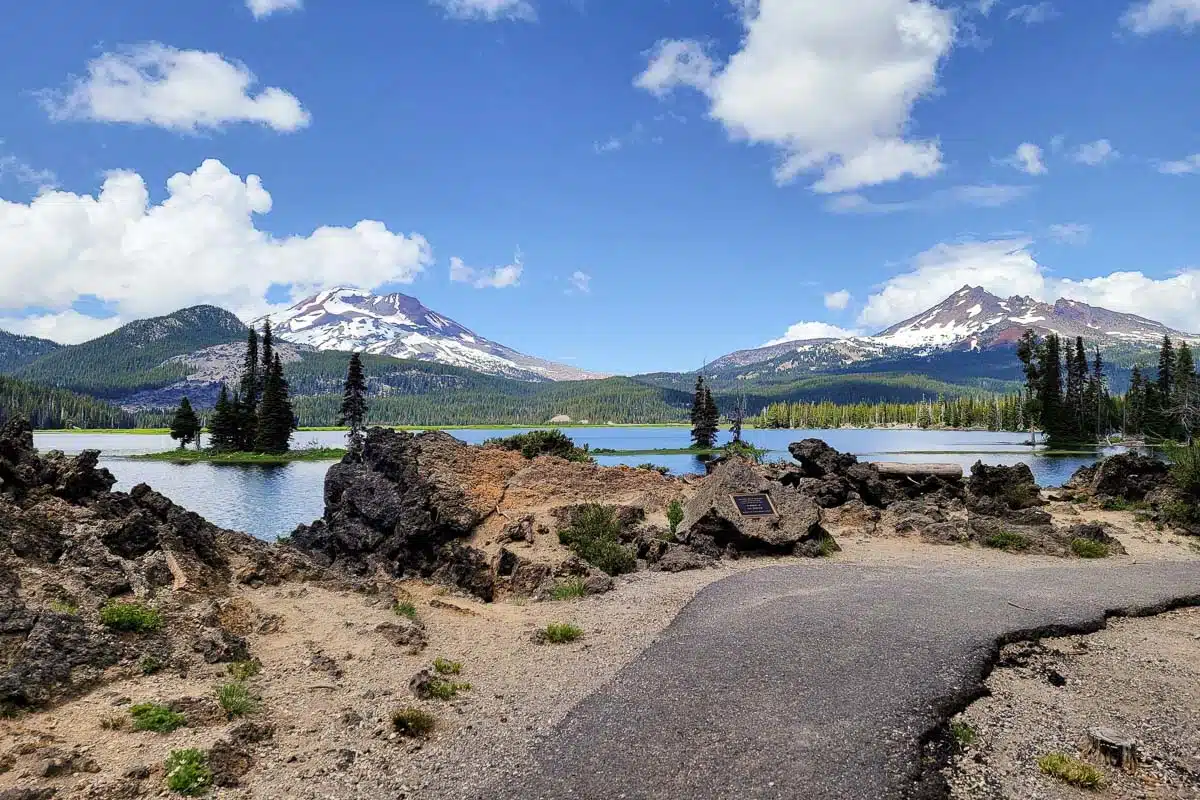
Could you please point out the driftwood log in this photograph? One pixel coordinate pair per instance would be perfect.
(951, 472)
(1112, 746)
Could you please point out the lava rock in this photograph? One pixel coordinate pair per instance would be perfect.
(1013, 487)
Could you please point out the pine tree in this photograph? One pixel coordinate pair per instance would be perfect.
(354, 403)
(250, 390)
(1052, 411)
(1077, 373)
(1135, 403)
(276, 419)
(1166, 368)
(1185, 403)
(704, 432)
(185, 426)
(268, 355)
(712, 415)
(223, 424)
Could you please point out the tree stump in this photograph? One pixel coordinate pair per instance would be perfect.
(1114, 747)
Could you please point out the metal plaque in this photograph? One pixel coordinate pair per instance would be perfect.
(753, 505)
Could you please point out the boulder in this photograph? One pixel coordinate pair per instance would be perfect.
(680, 559)
(1129, 476)
(817, 459)
(1012, 487)
(711, 521)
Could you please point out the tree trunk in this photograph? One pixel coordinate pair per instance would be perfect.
(1114, 747)
(952, 472)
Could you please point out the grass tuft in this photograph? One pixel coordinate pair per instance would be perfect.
(444, 666)
(964, 733)
(64, 607)
(595, 536)
(1010, 541)
(245, 670)
(570, 589)
(188, 772)
(1071, 770)
(405, 608)
(131, 617)
(1088, 548)
(114, 722)
(236, 699)
(561, 632)
(446, 690)
(150, 664)
(413, 722)
(155, 717)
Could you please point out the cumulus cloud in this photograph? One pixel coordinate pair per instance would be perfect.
(1095, 153)
(180, 90)
(1185, 166)
(488, 10)
(1070, 233)
(1008, 267)
(199, 245)
(494, 278)
(813, 330)
(831, 86)
(581, 282)
(1027, 159)
(990, 195)
(1152, 16)
(265, 8)
(837, 301)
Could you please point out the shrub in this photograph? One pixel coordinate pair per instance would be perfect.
(1181, 512)
(405, 608)
(131, 617)
(963, 732)
(245, 670)
(561, 632)
(1185, 467)
(1020, 495)
(155, 717)
(188, 771)
(744, 450)
(827, 547)
(1089, 548)
(413, 722)
(654, 468)
(674, 515)
(542, 443)
(237, 699)
(150, 664)
(569, 589)
(446, 690)
(64, 607)
(444, 666)
(1071, 770)
(1007, 540)
(1120, 504)
(595, 536)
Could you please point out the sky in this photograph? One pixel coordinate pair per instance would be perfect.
(621, 185)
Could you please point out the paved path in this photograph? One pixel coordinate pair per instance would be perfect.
(815, 682)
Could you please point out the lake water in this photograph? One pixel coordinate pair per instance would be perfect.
(271, 501)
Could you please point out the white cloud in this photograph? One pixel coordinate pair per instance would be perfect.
(990, 195)
(1034, 13)
(199, 245)
(1185, 166)
(180, 90)
(985, 6)
(1095, 153)
(837, 301)
(581, 282)
(830, 85)
(1008, 267)
(23, 172)
(1152, 16)
(489, 10)
(494, 278)
(813, 330)
(1027, 159)
(1071, 233)
(265, 8)
(67, 327)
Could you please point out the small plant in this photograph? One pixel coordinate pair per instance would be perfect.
(64, 607)
(130, 617)
(827, 547)
(1117, 504)
(440, 689)
(236, 699)
(245, 670)
(155, 717)
(542, 443)
(188, 772)
(444, 666)
(114, 722)
(1185, 467)
(1181, 512)
(1010, 541)
(964, 733)
(1089, 548)
(1071, 770)
(595, 536)
(150, 664)
(561, 632)
(405, 608)
(674, 515)
(413, 722)
(1021, 495)
(569, 589)
(654, 468)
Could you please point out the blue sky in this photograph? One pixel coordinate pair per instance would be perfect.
(679, 179)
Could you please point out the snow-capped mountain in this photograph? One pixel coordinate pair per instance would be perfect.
(400, 326)
(970, 319)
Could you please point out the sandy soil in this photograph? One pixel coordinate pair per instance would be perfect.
(330, 682)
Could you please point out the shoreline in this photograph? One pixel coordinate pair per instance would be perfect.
(207, 457)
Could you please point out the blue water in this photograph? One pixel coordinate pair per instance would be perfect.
(269, 501)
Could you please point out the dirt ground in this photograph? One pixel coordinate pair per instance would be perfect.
(330, 682)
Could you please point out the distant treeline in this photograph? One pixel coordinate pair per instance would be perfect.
(994, 412)
(57, 408)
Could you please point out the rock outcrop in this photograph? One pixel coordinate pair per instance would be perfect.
(1127, 476)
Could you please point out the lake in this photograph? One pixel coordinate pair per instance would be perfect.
(269, 501)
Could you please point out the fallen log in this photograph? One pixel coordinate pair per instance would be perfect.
(951, 472)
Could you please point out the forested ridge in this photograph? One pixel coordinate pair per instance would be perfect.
(47, 407)
(17, 351)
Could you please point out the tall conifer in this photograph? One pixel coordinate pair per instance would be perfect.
(354, 403)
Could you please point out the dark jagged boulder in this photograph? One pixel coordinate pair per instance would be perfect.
(1129, 476)
(817, 459)
(999, 487)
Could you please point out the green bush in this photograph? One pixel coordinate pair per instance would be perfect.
(446, 690)
(595, 536)
(405, 608)
(245, 670)
(236, 699)
(561, 632)
(542, 443)
(1089, 548)
(413, 722)
(1181, 512)
(131, 617)
(1021, 495)
(1071, 770)
(188, 772)
(1185, 467)
(1007, 540)
(444, 666)
(570, 589)
(150, 664)
(674, 515)
(744, 450)
(155, 717)
(963, 732)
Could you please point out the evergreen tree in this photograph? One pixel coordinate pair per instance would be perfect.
(354, 403)
(1166, 368)
(1029, 348)
(1185, 404)
(1135, 403)
(250, 390)
(1077, 370)
(1096, 399)
(712, 413)
(185, 426)
(276, 420)
(223, 424)
(268, 355)
(704, 431)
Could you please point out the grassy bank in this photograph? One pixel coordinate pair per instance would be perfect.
(209, 457)
(665, 451)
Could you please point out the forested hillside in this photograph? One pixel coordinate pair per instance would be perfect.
(997, 413)
(58, 408)
(17, 351)
(131, 358)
